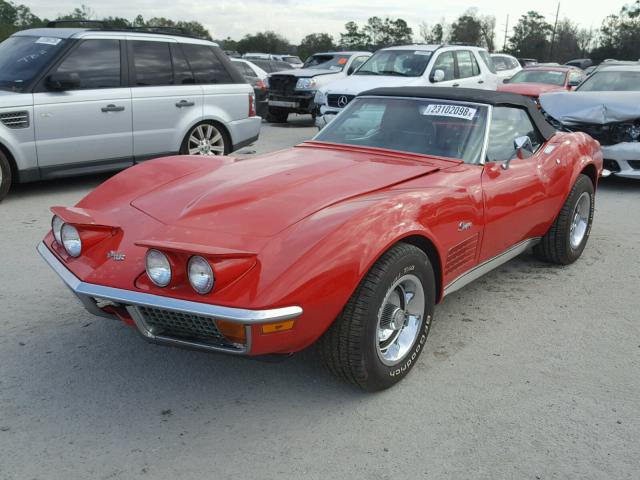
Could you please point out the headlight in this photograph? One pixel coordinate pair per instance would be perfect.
(158, 268)
(200, 275)
(70, 239)
(305, 84)
(319, 99)
(56, 226)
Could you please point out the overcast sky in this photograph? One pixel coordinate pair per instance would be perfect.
(296, 18)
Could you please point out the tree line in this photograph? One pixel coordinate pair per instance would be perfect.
(533, 36)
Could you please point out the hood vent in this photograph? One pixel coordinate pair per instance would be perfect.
(15, 119)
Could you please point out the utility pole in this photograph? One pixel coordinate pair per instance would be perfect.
(553, 35)
(506, 28)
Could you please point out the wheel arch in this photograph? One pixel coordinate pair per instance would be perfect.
(12, 163)
(209, 120)
(428, 247)
(590, 171)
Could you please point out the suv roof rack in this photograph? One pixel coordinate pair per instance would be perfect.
(65, 23)
(100, 25)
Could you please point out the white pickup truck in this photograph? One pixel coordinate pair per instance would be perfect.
(293, 91)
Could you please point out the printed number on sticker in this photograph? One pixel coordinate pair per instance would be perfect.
(456, 111)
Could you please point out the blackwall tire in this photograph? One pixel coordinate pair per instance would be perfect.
(6, 176)
(357, 347)
(566, 239)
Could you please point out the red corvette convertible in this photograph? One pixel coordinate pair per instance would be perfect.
(347, 241)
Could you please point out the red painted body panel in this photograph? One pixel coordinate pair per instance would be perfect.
(533, 90)
(303, 226)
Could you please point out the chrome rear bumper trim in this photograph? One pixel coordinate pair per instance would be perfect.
(86, 292)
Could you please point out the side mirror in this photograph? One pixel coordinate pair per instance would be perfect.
(506, 80)
(59, 82)
(438, 76)
(351, 70)
(572, 85)
(523, 149)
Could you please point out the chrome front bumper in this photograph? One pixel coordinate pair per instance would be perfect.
(91, 295)
(627, 158)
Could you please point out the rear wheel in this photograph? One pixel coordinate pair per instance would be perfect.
(567, 237)
(277, 115)
(206, 139)
(5, 176)
(382, 330)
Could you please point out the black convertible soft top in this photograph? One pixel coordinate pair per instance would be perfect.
(489, 97)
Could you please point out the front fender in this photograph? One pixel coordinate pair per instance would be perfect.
(319, 262)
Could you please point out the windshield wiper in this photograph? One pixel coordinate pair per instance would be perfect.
(393, 72)
(366, 72)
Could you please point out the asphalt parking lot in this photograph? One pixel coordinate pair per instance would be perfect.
(532, 372)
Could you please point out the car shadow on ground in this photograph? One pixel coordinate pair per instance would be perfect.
(619, 184)
(56, 186)
(294, 121)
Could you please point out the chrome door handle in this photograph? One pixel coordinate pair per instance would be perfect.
(112, 108)
(480, 81)
(455, 85)
(184, 103)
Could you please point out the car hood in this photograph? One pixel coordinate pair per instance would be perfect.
(529, 89)
(261, 196)
(306, 72)
(13, 99)
(592, 107)
(355, 84)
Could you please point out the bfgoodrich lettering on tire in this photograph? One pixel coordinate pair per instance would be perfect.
(382, 330)
(567, 237)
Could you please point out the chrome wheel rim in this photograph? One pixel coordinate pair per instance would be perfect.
(580, 220)
(205, 139)
(399, 319)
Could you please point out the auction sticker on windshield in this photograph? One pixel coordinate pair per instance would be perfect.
(48, 40)
(455, 111)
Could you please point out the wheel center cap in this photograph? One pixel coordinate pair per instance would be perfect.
(397, 319)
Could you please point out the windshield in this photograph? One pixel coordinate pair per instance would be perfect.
(612, 81)
(549, 77)
(403, 63)
(327, 62)
(22, 58)
(428, 127)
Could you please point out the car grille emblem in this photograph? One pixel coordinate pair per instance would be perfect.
(117, 256)
(342, 101)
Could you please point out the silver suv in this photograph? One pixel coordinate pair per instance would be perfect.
(79, 100)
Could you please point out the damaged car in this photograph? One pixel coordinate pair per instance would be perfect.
(606, 106)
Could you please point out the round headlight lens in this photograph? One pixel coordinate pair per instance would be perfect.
(56, 226)
(158, 268)
(70, 239)
(200, 275)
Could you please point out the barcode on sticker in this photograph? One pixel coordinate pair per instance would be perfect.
(455, 111)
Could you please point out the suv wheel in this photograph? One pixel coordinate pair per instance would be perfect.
(5, 176)
(206, 139)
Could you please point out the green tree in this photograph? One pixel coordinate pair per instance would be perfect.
(530, 38)
(354, 38)
(267, 42)
(14, 17)
(396, 32)
(315, 42)
(566, 43)
(467, 29)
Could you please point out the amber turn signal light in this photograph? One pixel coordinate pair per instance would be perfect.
(232, 331)
(277, 327)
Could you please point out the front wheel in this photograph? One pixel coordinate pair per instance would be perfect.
(564, 242)
(5, 176)
(206, 139)
(382, 330)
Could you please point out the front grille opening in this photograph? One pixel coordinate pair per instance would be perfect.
(611, 165)
(635, 164)
(185, 326)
